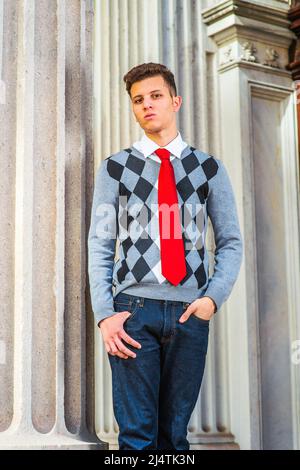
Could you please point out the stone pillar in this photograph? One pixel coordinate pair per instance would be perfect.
(294, 64)
(46, 181)
(258, 129)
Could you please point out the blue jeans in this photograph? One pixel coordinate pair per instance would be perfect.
(155, 393)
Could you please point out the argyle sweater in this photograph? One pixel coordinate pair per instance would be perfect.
(125, 206)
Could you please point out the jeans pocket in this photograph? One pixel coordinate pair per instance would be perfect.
(201, 320)
(132, 306)
(120, 306)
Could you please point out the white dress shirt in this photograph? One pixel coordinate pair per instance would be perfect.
(147, 147)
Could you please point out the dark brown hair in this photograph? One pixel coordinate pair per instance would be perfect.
(140, 72)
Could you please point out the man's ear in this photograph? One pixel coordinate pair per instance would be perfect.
(177, 102)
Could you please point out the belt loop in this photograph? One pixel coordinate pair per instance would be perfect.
(142, 301)
(130, 299)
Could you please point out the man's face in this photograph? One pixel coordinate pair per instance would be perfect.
(152, 96)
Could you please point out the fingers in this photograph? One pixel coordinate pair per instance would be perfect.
(116, 347)
(130, 340)
(185, 316)
(123, 348)
(114, 351)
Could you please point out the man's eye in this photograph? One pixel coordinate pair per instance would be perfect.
(139, 100)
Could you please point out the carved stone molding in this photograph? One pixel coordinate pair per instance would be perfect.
(266, 14)
(249, 52)
(294, 63)
(271, 58)
(227, 56)
(250, 34)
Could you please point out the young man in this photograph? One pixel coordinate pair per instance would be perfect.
(154, 305)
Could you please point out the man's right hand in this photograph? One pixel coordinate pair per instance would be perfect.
(113, 333)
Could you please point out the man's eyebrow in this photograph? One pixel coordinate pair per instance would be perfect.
(153, 91)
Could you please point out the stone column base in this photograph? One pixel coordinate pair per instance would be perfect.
(49, 442)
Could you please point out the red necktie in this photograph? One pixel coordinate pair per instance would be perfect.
(171, 242)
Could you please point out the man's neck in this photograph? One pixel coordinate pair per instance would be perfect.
(162, 138)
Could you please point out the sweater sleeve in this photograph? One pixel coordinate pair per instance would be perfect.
(102, 242)
(222, 211)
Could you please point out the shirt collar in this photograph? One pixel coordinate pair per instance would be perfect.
(147, 146)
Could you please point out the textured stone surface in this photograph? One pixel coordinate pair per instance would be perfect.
(46, 368)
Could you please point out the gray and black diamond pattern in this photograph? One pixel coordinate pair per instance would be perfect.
(139, 254)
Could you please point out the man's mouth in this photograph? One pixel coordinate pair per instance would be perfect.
(149, 116)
